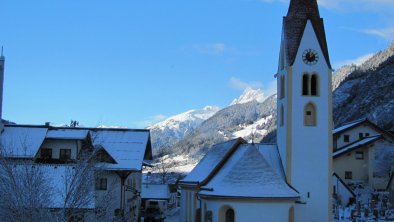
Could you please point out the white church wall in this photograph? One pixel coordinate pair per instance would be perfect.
(250, 210)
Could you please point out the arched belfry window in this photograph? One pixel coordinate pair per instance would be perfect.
(282, 87)
(315, 85)
(310, 115)
(229, 215)
(282, 115)
(305, 85)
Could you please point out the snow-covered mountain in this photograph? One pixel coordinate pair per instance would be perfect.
(249, 95)
(166, 133)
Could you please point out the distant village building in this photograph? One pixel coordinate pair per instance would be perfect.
(363, 153)
(290, 180)
(165, 192)
(94, 174)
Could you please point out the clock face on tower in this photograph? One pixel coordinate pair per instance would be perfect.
(310, 57)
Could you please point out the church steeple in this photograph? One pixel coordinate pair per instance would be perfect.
(2, 62)
(294, 23)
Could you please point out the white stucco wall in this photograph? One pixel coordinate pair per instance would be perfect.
(56, 145)
(360, 168)
(354, 134)
(251, 210)
(189, 204)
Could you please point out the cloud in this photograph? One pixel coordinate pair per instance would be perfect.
(268, 89)
(386, 33)
(151, 120)
(357, 61)
(211, 48)
(238, 84)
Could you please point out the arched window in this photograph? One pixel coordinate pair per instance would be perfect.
(315, 85)
(310, 115)
(229, 215)
(282, 115)
(282, 87)
(305, 85)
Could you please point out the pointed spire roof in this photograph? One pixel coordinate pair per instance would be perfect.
(300, 11)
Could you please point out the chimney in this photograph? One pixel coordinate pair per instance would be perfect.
(2, 62)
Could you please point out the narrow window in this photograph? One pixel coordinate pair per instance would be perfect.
(282, 115)
(101, 184)
(310, 115)
(348, 175)
(282, 87)
(360, 135)
(65, 154)
(315, 85)
(345, 138)
(305, 84)
(359, 155)
(229, 215)
(46, 154)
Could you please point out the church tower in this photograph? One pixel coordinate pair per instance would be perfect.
(2, 62)
(304, 134)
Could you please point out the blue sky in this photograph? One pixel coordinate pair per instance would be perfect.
(131, 63)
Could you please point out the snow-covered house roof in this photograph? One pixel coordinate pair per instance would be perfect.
(365, 121)
(247, 174)
(356, 145)
(22, 142)
(347, 126)
(129, 148)
(213, 160)
(155, 191)
(75, 134)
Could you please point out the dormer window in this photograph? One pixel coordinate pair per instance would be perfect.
(65, 154)
(46, 153)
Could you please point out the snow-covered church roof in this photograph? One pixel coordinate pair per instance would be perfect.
(247, 174)
(241, 170)
(211, 161)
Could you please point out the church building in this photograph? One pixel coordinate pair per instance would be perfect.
(290, 180)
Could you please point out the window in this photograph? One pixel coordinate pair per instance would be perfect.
(305, 85)
(366, 134)
(65, 154)
(281, 115)
(346, 138)
(359, 155)
(101, 184)
(310, 115)
(315, 85)
(46, 153)
(360, 135)
(348, 175)
(282, 87)
(229, 215)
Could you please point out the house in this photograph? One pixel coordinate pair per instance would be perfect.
(159, 192)
(363, 152)
(106, 163)
(292, 179)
